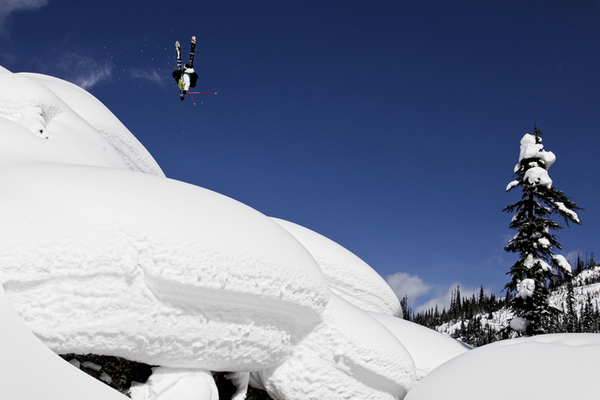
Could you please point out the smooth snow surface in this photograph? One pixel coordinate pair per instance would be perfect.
(429, 349)
(558, 366)
(30, 371)
(348, 276)
(103, 121)
(349, 356)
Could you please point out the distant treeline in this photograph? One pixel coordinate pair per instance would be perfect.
(479, 319)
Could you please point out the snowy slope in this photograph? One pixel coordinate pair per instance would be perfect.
(103, 254)
(101, 258)
(29, 370)
(428, 348)
(559, 366)
(103, 121)
(349, 356)
(348, 276)
(154, 261)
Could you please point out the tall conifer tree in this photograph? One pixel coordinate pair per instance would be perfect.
(535, 240)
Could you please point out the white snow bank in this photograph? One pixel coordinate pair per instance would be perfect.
(348, 276)
(39, 124)
(428, 348)
(349, 356)
(29, 370)
(558, 366)
(176, 384)
(103, 120)
(116, 262)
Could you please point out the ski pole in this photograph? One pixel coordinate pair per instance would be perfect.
(203, 92)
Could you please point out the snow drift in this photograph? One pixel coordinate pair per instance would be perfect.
(557, 366)
(347, 275)
(100, 258)
(428, 348)
(349, 356)
(133, 265)
(103, 254)
(30, 371)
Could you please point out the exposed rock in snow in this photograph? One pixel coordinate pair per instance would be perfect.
(348, 276)
(349, 356)
(559, 366)
(429, 349)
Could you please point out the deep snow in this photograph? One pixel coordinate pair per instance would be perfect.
(101, 253)
(558, 366)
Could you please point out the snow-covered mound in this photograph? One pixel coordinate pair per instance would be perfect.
(100, 258)
(349, 356)
(429, 349)
(103, 121)
(348, 276)
(30, 111)
(558, 366)
(29, 370)
(129, 264)
(103, 254)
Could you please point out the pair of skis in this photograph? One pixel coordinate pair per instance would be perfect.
(192, 50)
(190, 64)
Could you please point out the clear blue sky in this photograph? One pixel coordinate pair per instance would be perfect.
(391, 127)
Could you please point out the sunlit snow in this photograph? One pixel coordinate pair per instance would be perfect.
(101, 253)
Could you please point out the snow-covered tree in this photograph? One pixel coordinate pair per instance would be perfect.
(535, 241)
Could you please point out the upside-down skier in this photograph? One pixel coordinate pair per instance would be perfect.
(186, 77)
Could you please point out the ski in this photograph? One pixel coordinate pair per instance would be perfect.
(178, 50)
(192, 50)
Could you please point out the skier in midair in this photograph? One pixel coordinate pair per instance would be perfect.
(186, 77)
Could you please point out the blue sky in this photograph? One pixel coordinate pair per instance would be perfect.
(391, 127)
